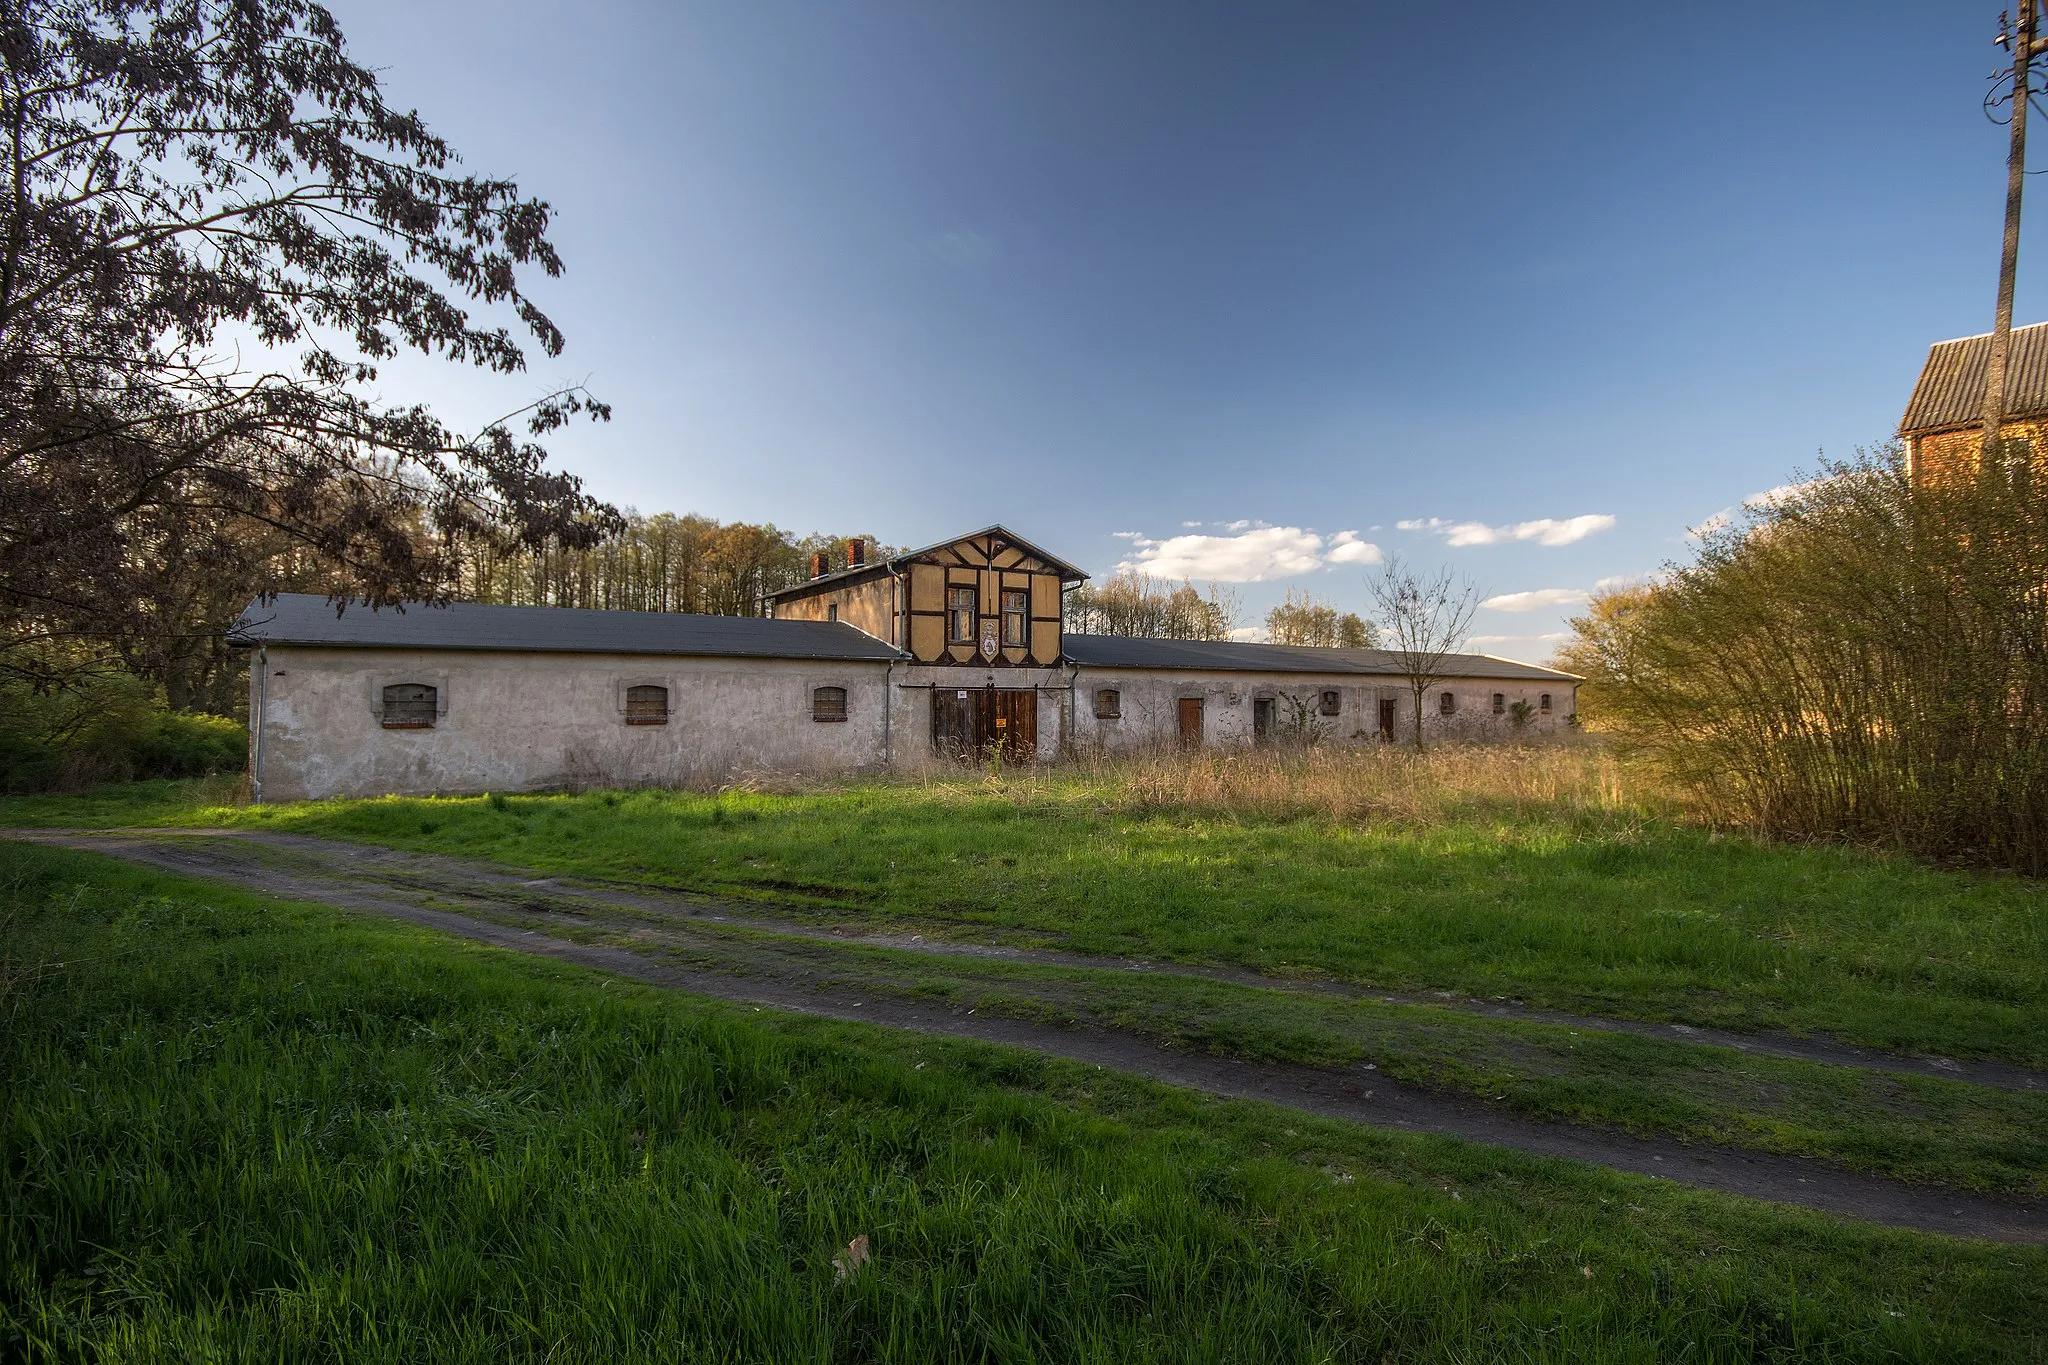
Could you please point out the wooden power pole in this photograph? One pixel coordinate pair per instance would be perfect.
(2025, 48)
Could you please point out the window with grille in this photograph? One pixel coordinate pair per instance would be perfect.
(647, 705)
(828, 703)
(1333, 701)
(1543, 703)
(1016, 618)
(1500, 703)
(410, 706)
(960, 615)
(1109, 703)
(1447, 704)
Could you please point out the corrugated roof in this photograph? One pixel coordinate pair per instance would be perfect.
(1224, 656)
(308, 619)
(1951, 388)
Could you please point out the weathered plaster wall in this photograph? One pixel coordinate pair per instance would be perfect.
(1150, 706)
(513, 722)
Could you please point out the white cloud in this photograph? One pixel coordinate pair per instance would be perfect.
(1252, 553)
(1128, 535)
(1250, 635)
(1537, 599)
(1781, 493)
(1712, 524)
(1544, 530)
(1191, 523)
(1620, 580)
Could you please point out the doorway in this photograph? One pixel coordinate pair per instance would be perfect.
(1262, 720)
(973, 724)
(1191, 722)
(1387, 707)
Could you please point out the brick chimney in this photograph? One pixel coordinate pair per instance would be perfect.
(856, 553)
(820, 565)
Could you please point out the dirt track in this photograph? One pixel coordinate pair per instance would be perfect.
(415, 887)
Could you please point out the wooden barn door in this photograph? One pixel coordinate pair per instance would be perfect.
(953, 723)
(1191, 722)
(967, 723)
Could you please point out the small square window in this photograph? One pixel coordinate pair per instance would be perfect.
(1447, 704)
(647, 705)
(1500, 703)
(1333, 701)
(411, 706)
(1109, 703)
(828, 703)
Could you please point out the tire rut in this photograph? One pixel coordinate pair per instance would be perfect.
(1354, 1094)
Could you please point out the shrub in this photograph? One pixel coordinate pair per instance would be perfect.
(1858, 658)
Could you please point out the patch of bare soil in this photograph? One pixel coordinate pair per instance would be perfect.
(408, 886)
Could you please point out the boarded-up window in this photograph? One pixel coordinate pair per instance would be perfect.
(1016, 618)
(960, 615)
(1333, 701)
(1109, 703)
(1500, 703)
(410, 706)
(1447, 704)
(828, 703)
(646, 704)
(1543, 703)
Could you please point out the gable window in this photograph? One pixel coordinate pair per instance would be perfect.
(1333, 701)
(411, 706)
(960, 615)
(1109, 703)
(832, 611)
(647, 705)
(1543, 703)
(1500, 703)
(828, 703)
(1016, 616)
(1447, 704)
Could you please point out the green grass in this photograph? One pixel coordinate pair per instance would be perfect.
(1605, 913)
(236, 1129)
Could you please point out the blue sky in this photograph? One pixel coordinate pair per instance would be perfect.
(1253, 291)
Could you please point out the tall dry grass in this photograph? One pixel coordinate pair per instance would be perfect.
(1352, 785)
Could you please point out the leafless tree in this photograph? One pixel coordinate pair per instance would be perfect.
(1424, 619)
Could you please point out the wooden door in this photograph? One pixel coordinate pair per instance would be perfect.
(969, 723)
(1387, 719)
(953, 723)
(1012, 723)
(1191, 721)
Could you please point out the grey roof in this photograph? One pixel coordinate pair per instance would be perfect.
(1068, 573)
(1120, 651)
(308, 619)
(1951, 388)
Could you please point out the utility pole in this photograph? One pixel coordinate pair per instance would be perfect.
(2025, 47)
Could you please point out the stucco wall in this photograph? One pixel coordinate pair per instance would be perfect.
(1149, 700)
(513, 722)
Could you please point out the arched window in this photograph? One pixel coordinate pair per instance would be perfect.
(646, 704)
(1447, 704)
(828, 703)
(1333, 701)
(411, 706)
(1109, 703)
(1500, 703)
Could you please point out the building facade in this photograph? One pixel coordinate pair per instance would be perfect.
(950, 653)
(1943, 426)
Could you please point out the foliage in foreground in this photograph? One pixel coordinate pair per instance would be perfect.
(237, 1129)
(1859, 658)
(99, 726)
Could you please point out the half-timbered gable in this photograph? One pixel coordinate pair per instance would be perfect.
(987, 600)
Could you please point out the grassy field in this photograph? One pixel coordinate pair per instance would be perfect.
(238, 1129)
(1541, 876)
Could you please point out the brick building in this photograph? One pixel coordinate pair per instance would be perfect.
(1943, 429)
